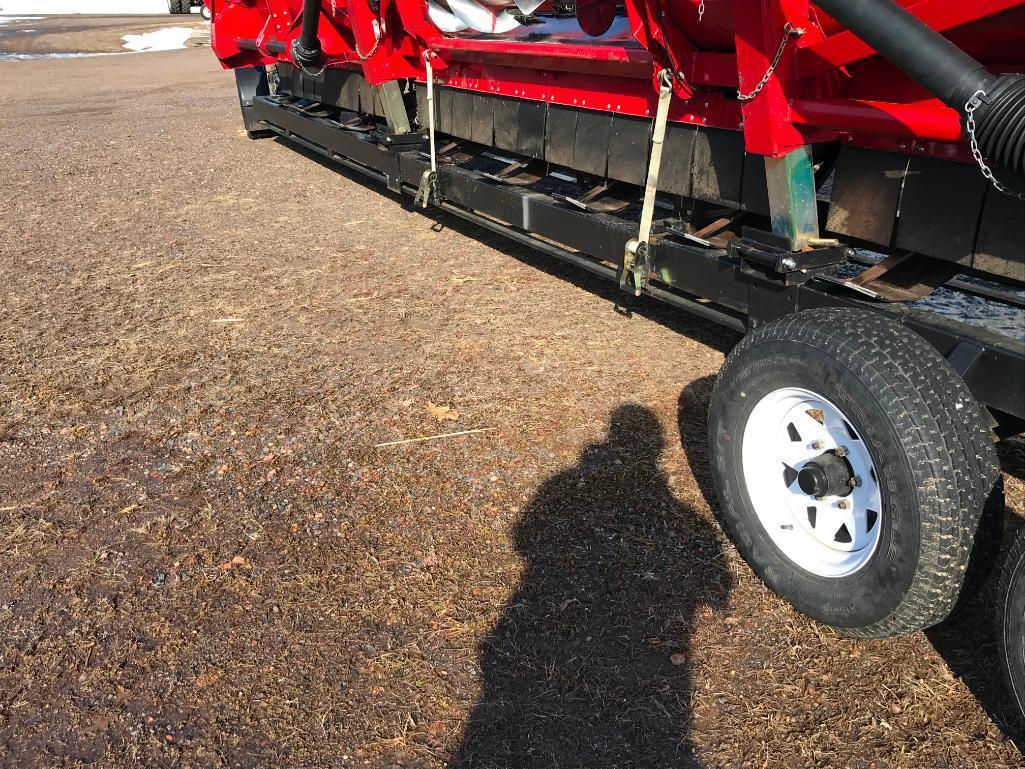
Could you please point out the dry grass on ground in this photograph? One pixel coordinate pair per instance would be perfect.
(207, 562)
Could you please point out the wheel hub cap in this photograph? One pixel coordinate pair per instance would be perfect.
(812, 482)
(826, 476)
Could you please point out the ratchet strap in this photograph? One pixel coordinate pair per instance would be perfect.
(635, 255)
(428, 188)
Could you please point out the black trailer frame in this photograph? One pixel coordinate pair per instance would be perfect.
(749, 283)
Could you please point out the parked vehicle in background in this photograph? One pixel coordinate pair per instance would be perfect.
(185, 6)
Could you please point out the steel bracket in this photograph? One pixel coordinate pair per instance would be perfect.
(399, 140)
(769, 255)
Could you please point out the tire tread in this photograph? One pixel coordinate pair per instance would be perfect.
(946, 437)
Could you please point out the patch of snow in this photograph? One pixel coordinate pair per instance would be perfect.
(9, 19)
(166, 39)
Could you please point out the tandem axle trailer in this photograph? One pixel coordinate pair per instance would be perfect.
(804, 173)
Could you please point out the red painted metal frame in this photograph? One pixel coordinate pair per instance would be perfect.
(829, 86)
(846, 48)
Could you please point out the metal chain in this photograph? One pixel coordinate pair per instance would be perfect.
(789, 31)
(701, 10)
(312, 74)
(371, 52)
(973, 104)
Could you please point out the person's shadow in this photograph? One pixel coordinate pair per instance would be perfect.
(589, 665)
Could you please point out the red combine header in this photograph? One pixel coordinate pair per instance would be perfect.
(812, 174)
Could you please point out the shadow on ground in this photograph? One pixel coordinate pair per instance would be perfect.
(579, 671)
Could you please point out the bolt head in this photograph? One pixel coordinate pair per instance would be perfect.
(843, 504)
(841, 452)
(817, 445)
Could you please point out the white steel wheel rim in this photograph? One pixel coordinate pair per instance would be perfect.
(832, 536)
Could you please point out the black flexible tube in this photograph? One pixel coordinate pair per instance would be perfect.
(921, 52)
(946, 71)
(306, 49)
(1000, 123)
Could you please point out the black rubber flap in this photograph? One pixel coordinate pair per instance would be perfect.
(718, 166)
(866, 192)
(940, 208)
(1000, 246)
(628, 149)
(677, 156)
(561, 135)
(482, 129)
(591, 145)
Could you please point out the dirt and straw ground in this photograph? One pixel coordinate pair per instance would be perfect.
(207, 561)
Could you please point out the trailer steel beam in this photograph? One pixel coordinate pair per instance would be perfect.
(710, 282)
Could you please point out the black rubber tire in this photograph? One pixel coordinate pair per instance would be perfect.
(1011, 621)
(176, 7)
(204, 11)
(930, 444)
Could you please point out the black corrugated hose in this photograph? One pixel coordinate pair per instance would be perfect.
(1000, 123)
(306, 50)
(947, 72)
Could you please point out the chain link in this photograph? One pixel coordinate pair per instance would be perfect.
(789, 31)
(318, 73)
(701, 10)
(973, 104)
(371, 52)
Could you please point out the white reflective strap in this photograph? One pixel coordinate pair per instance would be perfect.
(658, 136)
(429, 180)
(430, 110)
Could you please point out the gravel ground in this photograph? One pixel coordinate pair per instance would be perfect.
(209, 561)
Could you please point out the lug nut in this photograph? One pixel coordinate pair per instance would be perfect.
(841, 451)
(817, 445)
(854, 482)
(843, 504)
